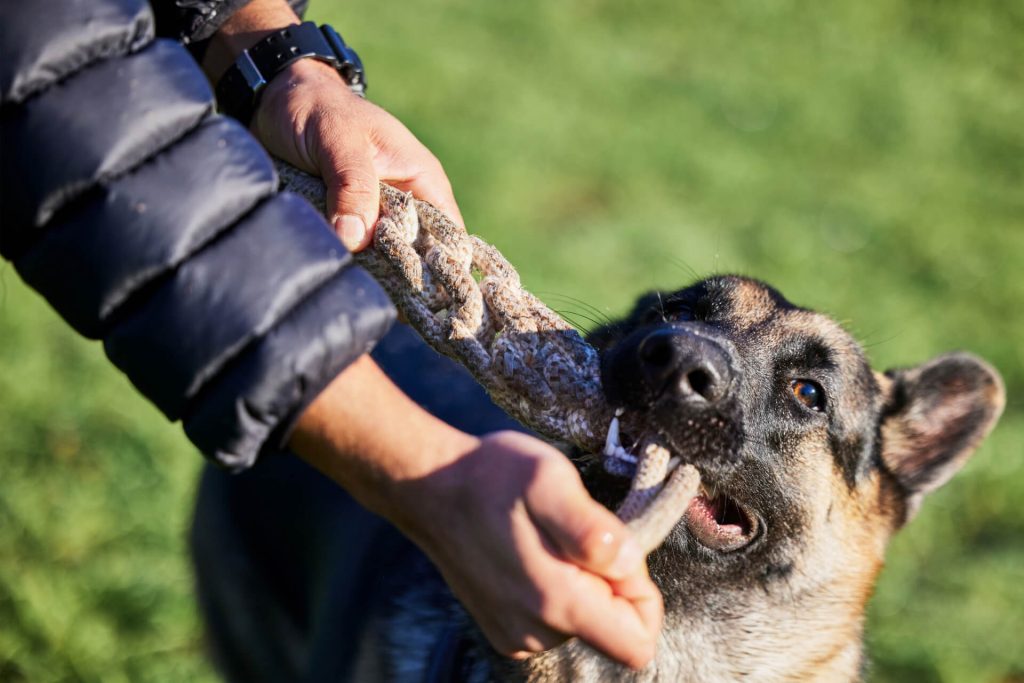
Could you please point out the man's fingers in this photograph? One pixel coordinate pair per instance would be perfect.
(580, 528)
(536, 639)
(432, 186)
(353, 198)
(624, 629)
(645, 597)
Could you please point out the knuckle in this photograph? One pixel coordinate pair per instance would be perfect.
(538, 476)
(358, 186)
(512, 652)
(353, 169)
(507, 647)
(534, 643)
(594, 540)
(520, 645)
(552, 610)
(433, 165)
(360, 190)
(575, 613)
(555, 471)
(332, 141)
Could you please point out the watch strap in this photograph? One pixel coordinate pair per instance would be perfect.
(239, 90)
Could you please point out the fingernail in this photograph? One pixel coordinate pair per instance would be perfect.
(350, 229)
(627, 561)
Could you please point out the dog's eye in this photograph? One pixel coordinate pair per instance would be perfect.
(808, 393)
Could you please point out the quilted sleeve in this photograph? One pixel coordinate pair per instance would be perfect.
(154, 225)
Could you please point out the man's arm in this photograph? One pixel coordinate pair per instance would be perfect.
(309, 117)
(155, 226)
(506, 518)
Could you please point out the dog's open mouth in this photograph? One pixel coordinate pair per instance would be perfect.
(719, 522)
(715, 520)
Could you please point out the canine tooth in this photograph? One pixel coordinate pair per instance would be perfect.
(611, 442)
(622, 454)
(673, 462)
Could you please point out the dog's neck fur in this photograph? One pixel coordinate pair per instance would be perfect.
(799, 624)
(799, 638)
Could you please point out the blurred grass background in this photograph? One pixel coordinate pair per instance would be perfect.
(866, 158)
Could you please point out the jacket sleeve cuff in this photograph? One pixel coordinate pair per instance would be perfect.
(250, 408)
(193, 22)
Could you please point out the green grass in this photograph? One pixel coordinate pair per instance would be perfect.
(866, 158)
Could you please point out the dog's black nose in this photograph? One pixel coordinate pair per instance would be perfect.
(675, 362)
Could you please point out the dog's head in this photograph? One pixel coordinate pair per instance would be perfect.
(810, 459)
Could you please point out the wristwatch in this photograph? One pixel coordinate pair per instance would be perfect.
(240, 88)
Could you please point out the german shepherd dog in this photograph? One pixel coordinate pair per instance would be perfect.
(810, 462)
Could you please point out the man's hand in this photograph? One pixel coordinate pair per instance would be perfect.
(505, 518)
(532, 557)
(310, 118)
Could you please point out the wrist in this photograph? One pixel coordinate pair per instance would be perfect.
(420, 498)
(303, 73)
(243, 86)
(379, 445)
(246, 27)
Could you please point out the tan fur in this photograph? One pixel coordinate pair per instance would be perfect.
(751, 305)
(811, 631)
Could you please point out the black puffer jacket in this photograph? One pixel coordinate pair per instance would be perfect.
(193, 21)
(152, 223)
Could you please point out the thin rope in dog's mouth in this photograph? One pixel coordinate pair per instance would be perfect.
(715, 519)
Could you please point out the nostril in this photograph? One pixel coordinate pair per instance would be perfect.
(701, 382)
(657, 352)
(681, 367)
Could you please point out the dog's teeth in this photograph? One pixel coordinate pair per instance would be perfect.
(673, 462)
(611, 442)
(619, 412)
(622, 454)
(613, 447)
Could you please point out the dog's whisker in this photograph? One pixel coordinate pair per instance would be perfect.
(570, 315)
(605, 318)
(690, 272)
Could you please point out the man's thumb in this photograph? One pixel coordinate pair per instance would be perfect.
(585, 531)
(353, 199)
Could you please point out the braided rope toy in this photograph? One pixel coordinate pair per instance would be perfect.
(467, 302)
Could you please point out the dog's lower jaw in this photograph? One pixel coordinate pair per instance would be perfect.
(749, 648)
(745, 644)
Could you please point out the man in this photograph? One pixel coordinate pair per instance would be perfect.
(504, 517)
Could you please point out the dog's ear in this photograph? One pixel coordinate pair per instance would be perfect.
(935, 416)
(644, 310)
